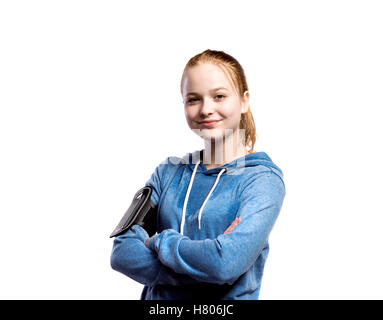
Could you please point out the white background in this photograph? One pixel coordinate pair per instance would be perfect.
(90, 105)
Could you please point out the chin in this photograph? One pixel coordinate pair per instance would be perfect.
(212, 134)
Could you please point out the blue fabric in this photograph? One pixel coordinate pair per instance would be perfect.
(205, 263)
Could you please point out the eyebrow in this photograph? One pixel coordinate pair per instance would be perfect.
(212, 90)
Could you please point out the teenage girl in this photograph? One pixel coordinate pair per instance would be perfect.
(215, 206)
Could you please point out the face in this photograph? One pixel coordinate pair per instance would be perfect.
(209, 94)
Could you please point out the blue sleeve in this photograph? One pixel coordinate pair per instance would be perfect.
(225, 258)
(131, 257)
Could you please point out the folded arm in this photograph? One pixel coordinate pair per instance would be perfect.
(132, 258)
(225, 258)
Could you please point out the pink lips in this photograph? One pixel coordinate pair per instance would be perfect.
(209, 123)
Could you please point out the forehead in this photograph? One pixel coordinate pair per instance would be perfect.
(205, 77)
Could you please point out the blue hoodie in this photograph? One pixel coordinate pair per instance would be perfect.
(190, 256)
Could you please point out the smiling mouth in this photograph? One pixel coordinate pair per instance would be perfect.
(209, 123)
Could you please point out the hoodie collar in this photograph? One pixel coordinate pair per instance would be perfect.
(248, 160)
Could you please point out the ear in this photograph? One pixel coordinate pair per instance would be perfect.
(245, 102)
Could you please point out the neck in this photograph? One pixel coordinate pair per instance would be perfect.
(222, 151)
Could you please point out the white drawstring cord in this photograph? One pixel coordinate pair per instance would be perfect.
(187, 198)
(204, 203)
(207, 198)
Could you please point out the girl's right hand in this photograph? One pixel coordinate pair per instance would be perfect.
(233, 224)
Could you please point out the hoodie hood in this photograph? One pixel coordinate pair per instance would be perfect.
(195, 162)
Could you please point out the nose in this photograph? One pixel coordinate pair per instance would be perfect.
(207, 108)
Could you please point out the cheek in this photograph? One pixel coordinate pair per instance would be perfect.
(189, 115)
(232, 115)
(231, 111)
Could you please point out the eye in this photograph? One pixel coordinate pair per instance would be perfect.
(220, 96)
(191, 100)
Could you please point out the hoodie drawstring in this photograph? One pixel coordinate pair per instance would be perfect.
(204, 203)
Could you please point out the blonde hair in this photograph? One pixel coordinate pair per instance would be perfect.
(238, 77)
